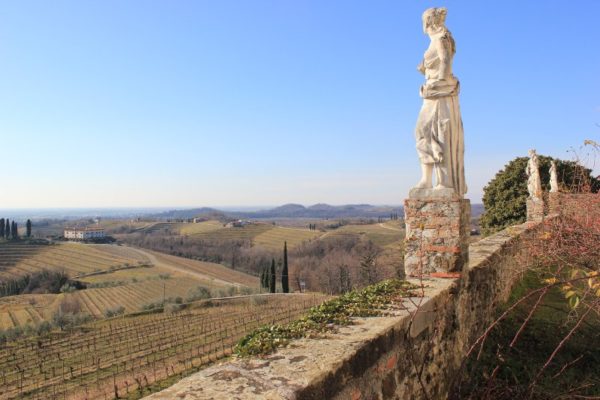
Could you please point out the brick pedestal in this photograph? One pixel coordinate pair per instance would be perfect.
(535, 209)
(555, 203)
(437, 235)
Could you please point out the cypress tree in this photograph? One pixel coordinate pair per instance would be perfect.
(28, 227)
(264, 278)
(7, 229)
(14, 230)
(1, 227)
(285, 284)
(273, 277)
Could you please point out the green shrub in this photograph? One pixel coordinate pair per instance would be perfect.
(113, 312)
(198, 293)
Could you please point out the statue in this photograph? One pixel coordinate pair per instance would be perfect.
(534, 185)
(439, 131)
(553, 177)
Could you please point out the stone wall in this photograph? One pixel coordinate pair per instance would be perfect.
(376, 357)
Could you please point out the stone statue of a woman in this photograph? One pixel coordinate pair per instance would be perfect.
(439, 130)
(534, 184)
(553, 177)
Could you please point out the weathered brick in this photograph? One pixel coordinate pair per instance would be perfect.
(437, 235)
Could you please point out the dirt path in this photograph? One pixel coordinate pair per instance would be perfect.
(155, 260)
(390, 228)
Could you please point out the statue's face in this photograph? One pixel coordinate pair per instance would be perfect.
(427, 28)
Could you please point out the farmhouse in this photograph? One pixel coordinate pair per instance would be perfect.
(84, 233)
(237, 224)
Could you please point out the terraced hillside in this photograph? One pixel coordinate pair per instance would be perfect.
(274, 238)
(383, 234)
(201, 227)
(132, 296)
(141, 277)
(17, 259)
(247, 232)
(266, 235)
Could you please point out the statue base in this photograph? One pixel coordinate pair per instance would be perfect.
(555, 203)
(535, 209)
(437, 232)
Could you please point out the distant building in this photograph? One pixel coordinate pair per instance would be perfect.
(237, 224)
(84, 233)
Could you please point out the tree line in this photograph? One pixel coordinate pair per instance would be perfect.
(10, 229)
(268, 276)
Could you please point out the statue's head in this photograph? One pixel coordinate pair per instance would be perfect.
(531, 153)
(434, 20)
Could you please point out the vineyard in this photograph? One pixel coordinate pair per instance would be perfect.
(131, 356)
(247, 232)
(132, 296)
(269, 236)
(75, 259)
(384, 234)
(117, 276)
(274, 238)
(200, 227)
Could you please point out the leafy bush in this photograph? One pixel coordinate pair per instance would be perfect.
(198, 293)
(246, 291)
(173, 308)
(113, 312)
(259, 300)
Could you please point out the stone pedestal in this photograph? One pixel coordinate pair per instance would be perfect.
(555, 202)
(437, 232)
(535, 209)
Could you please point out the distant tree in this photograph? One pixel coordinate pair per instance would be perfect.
(14, 230)
(368, 268)
(265, 278)
(7, 229)
(285, 284)
(1, 227)
(261, 278)
(28, 227)
(505, 196)
(273, 277)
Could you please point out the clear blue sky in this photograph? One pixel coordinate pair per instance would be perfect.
(219, 103)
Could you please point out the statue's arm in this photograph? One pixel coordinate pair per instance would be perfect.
(421, 67)
(443, 49)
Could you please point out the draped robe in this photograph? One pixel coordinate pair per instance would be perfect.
(439, 131)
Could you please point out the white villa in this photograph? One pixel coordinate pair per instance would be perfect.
(84, 233)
